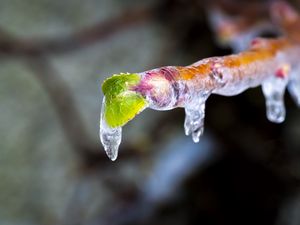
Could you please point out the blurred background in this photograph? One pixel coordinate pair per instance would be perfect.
(54, 55)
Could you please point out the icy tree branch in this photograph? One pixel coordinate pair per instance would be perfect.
(270, 63)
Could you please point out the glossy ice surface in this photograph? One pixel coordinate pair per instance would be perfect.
(271, 63)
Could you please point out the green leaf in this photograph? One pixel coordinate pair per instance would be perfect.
(121, 103)
(119, 82)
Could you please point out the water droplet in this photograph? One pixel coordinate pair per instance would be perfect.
(110, 137)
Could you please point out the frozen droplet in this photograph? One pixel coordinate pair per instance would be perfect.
(194, 118)
(110, 137)
(273, 90)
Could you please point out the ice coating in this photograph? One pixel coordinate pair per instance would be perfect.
(169, 91)
(271, 63)
(110, 137)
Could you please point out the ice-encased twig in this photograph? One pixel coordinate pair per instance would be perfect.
(271, 63)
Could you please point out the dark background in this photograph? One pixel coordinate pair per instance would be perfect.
(54, 55)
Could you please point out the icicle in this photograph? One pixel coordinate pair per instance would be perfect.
(273, 89)
(194, 118)
(110, 137)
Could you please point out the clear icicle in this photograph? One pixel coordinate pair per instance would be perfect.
(110, 137)
(194, 118)
(273, 90)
